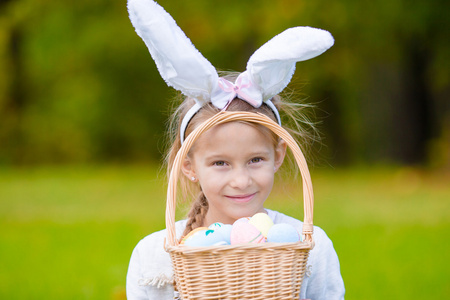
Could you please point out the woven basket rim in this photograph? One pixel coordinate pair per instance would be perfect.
(221, 118)
(186, 250)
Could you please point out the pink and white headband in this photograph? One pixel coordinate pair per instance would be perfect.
(183, 67)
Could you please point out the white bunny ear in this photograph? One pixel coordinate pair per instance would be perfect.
(180, 64)
(183, 67)
(271, 67)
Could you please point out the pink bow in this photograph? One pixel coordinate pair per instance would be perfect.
(237, 89)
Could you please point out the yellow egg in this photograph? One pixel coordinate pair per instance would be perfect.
(262, 222)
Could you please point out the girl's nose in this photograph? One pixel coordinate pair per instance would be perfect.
(240, 178)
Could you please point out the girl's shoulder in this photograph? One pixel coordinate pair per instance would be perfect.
(150, 254)
(278, 217)
(154, 240)
(150, 273)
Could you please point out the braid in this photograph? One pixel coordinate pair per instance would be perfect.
(197, 214)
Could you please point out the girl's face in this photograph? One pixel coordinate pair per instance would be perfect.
(235, 165)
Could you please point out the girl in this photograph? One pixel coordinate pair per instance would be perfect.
(230, 167)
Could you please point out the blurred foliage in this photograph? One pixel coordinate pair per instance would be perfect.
(78, 85)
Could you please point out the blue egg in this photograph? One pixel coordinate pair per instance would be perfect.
(204, 238)
(221, 243)
(215, 226)
(283, 233)
(225, 232)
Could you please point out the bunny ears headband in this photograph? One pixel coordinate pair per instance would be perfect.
(182, 66)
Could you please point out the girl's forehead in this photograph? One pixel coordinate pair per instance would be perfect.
(234, 131)
(233, 136)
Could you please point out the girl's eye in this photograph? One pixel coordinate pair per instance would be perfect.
(256, 160)
(219, 163)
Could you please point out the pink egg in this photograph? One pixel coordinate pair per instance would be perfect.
(243, 232)
(244, 219)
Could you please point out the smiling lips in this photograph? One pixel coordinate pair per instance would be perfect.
(241, 198)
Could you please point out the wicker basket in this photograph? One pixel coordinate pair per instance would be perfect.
(246, 271)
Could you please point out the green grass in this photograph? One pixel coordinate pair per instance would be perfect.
(67, 233)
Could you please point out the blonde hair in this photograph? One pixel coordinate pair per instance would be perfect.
(294, 122)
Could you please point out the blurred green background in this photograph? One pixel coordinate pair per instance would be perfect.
(83, 112)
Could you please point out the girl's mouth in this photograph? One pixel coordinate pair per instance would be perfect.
(242, 198)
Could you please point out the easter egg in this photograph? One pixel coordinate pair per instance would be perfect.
(262, 222)
(283, 233)
(243, 232)
(225, 231)
(244, 219)
(204, 238)
(221, 243)
(215, 226)
(193, 232)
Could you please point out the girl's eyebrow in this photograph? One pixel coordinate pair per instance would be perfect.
(215, 156)
(260, 153)
(224, 156)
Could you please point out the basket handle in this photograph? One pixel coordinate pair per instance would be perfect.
(224, 117)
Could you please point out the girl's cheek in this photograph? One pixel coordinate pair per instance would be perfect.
(215, 172)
